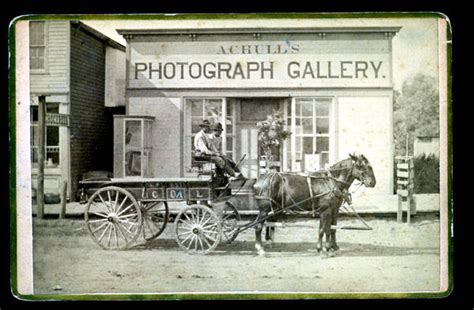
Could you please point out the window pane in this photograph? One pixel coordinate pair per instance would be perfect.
(298, 146)
(53, 157)
(34, 135)
(34, 113)
(308, 145)
(229, 144)
(322, 125)
(257, 109)
(133, 134)
(52, 108)
(322, 144)
(213, 110)
(307, 125)
(52, 136)
(37, 33)
(307, 109)
(228, 127)
(196, 107)
(195, 125)
(322, 108)
(324, 161)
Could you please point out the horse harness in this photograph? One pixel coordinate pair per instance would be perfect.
(344, 194)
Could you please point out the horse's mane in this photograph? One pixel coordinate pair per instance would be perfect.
(340, 164)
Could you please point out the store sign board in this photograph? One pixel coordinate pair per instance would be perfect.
(266, 64)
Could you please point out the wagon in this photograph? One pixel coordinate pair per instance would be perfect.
(121, 211)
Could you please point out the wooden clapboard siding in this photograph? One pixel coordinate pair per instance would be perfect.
(54, 79)
(91, 123)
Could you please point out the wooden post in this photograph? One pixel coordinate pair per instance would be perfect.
(399, 211)
(62, 214)
(41, 153)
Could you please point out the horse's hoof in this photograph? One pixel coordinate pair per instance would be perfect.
(261, 252)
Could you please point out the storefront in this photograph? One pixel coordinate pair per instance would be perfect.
(333, 86)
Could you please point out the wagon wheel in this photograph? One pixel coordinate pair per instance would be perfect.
(113, 218)
(198, 229)
(230, 218)
(155, 217)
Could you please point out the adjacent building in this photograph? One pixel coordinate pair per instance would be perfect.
(81, 73)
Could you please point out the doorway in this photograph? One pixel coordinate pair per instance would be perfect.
(250, 111)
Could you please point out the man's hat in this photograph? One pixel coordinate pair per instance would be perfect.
(205, 123)
(217, 126)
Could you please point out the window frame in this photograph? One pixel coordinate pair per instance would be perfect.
(289, 146)
(188, 118)
(43, 70)
(34, 128)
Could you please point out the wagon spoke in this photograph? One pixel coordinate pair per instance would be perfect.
(126, 209)
(97, 221)
(127, 216)
(187, 238)
(185, 233)
(185, 223)
(98, 212)
(98, 228)
(103, 201)
(208, 219)
(110, 201)
(147, 224)
(210, 238)
(116, 201)
(193, 237)
(122, 203)
(121, 232)
(200, 242)
(207, 242)
(210, 225)
(110, 236)
(127, 228)
(196, 242)
(103, 233)
(210, 231)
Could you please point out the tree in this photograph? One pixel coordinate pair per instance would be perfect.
(416, 111)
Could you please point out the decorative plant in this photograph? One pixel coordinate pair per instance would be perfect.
(272, 133)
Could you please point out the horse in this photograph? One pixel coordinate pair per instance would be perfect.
(277, 192)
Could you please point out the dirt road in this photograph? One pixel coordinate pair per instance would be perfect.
(391, 257)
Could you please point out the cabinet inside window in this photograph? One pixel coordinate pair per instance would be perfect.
(132, 146)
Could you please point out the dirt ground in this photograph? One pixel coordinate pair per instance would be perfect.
(390, 258)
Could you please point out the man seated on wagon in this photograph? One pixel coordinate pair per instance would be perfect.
(203, 148)
(216, 145)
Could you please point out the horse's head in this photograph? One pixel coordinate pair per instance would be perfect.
(362, 170)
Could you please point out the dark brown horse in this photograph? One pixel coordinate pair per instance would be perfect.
(319, 193)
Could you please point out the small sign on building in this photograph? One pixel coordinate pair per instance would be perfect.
(56, 119)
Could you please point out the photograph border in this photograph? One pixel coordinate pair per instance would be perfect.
(448, 195)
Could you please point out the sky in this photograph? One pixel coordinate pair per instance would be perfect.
(415, 47)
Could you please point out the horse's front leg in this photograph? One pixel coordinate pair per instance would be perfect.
(258, 229)
(323, 219)
(333, 244)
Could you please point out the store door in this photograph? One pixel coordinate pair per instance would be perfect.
(250, 111)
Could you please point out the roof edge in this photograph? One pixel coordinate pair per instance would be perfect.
(301, 30)
(99, 35)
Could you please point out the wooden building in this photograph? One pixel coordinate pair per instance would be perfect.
(82, 74)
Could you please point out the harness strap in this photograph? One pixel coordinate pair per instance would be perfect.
(310, 186)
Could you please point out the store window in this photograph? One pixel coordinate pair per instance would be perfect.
(215, 111)
(51, 137)
(37, 45)
(308, 148)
